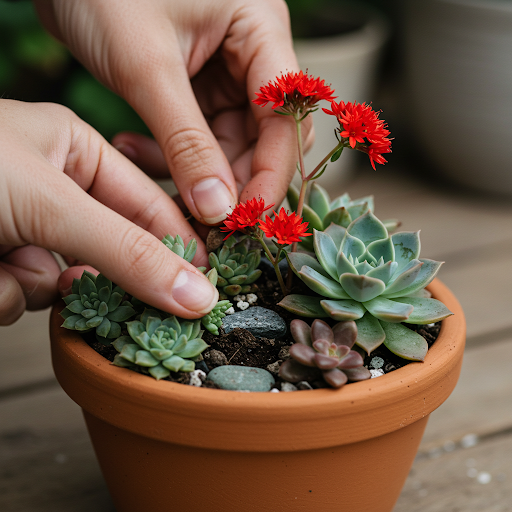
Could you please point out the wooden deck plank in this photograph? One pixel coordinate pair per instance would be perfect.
(47, 463)
(475, 479)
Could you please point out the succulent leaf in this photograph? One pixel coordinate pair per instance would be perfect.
(303, 305)
(297, 260)
(319, 200)
(407, 247)
(370, 334)
(361, 288)
(322, 285)
(367, 228)
(352, 246)
(426, 311)
(426, 275)
(301, 331)
(337, 234)
(326, 252)
(404, 342)
(403, 278)
(342, 310)
(388, 310)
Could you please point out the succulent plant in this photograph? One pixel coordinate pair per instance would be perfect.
(320, 211)
(158, 346)
(95, 303)
(177, 246)
(236, 267)
(213, 320)
(362, 273)
(322, 352)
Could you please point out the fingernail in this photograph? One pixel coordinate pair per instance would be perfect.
(126, 150)
(194, 292)
(213, 200)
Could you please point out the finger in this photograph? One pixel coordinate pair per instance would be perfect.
(12, 301)
(144, 152)
(127, 254)
(37, 272)
(65, 280)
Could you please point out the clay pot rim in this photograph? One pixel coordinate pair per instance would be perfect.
(109, 392)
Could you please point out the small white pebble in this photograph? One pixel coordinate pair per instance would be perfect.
(483, 477)
(469, 440)
(237, 298)
(230, 311)
(449, 446)
(195, 378)
(274, 390)
(242, 305)
(251, 298)
(377, 362)
(472, 472)
(376, 373)
(61, 458)
(431, 325)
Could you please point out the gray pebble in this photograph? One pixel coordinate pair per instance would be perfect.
(288, 386)
(261, 322)
(241, 378)
(214, 358)
(274, 367)
(303, 384)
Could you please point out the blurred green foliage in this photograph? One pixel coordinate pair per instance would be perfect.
(35, 67)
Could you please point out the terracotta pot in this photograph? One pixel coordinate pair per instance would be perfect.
(166, 447)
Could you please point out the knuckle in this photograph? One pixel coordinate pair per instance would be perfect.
(188, 149)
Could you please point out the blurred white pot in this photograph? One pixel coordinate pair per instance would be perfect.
(349, 63)
(459, 82)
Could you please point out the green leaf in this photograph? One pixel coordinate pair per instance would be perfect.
(324, 286)
(362, 288)
(115, 330)
(319, 173)
(232, 289)
(81, 325)
(383, 272)
(214, 260)
(66, 313)
(190, 251)
(352, 246)
(426, 274)
(76, 307)
(370, 334)
(121, 362)
(403, 342)
(337, 154)
(382, 249)
(104, 328)
(70, 322)
(121, 314)
(319, 200)
(225, 271)
(342, 310)
(104, 294)
(338, 202)
(128, 350)
(326, 252)
(402, 279)
(223, 254)
(388, 310)
(339, 216)
(309, 215)
(160, 354)
(337, 233)
(407, 247)
(94, 322)
(188, 366)
(242, 269)
(356, 210)
(426, 311)
(152, 324)
(293, 197)
(121, 342)
(297, 260)
(159, 372)
(255, 274)
(71, 298)
(102, 309)
(303, 305)
(192, 349)
(87, 285)
(174, 363)
(102, 282)
(367, 228)
(114, 301)
(144, 358)
(75, 287)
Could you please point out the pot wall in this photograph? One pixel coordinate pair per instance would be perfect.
(285, 443)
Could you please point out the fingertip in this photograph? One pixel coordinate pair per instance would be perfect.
(65, 280)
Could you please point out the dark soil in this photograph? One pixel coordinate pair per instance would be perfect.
(240, 347)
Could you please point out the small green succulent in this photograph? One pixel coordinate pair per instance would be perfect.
(322, 352)
(320, 211)
(95, 303)
(364, 274)
(236, 267)
(177, 246)
(213, 320)
(158, 346)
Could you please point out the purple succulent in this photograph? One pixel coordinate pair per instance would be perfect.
(322, 352)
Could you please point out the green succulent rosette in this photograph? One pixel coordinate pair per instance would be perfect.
(364, 274)
(236, 266)
(177, 246)
(158, 346)
(95, 303)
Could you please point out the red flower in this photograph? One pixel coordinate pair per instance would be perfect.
(244, 215)
(286, 228)
(360, 121)
(294, 92)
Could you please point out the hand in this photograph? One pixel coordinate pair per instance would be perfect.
(64, 188)
(215, 141)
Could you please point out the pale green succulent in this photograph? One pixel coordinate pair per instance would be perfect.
(95, 303)
(320, 211)
(236, 267)
(362, 273)
(177, 246)
(158, 346)
(213, 320)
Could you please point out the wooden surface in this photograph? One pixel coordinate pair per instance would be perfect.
(465, 462)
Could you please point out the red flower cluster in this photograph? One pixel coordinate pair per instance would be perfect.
(360, 121)
(244, 215)
(294, 92)
(285, 228)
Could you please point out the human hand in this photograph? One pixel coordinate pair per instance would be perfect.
(215, 141)
(64, 188)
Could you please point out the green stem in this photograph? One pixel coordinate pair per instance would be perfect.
(324, 161)
(275, 264)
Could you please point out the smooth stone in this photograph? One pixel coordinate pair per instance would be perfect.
(261, 322)
(267, 267)
(241, 378)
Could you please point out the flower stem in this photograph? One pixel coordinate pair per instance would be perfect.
(324, 161)
(275, 264)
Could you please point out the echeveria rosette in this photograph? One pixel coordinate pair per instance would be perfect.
(213, 320)
(320, 212)
(362, 273)
(324, 352)
(95, 303)
(158, 346)
(177, 246)
(236, 267)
